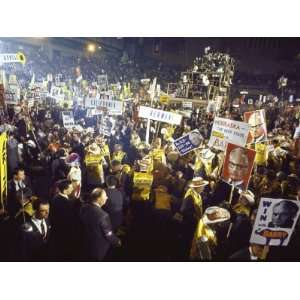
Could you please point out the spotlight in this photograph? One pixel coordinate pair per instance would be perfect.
(91, 48)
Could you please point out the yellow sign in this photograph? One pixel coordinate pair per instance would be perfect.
(92, 159)
(142, 183)
(164, 99)
(21, 58)
(3, 170)
(218, 134)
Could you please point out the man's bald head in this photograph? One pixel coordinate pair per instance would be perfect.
(238, 164)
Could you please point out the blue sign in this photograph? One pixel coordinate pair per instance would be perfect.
(188, 142)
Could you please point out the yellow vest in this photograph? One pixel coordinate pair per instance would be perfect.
(142, 183)
(197, 201)
(203, 230)
(261, 154)
(162, 200)
(93, 159)
(119, 155)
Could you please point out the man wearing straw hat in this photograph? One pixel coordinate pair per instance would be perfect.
(191, 211)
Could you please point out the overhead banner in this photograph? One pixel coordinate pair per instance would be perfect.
(228, 131)
(238, 165)
(188, 142)
(68, 119)
(159, 115)
(3, 170)
(113, 107)
(258, 130)
(275, 222)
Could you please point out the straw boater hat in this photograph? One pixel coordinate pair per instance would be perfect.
(215, 214)
(198, 182)
(249, 196)
(173, 156)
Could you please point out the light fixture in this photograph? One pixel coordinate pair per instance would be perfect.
(91, 48)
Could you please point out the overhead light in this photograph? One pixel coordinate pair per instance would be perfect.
(91, 48)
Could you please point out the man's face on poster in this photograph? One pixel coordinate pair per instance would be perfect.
(238, 164)
(257, 125)
(195, 138)
(283, 215)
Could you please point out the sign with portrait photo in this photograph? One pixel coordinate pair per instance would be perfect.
(275, 222)
(228, 131)
(238, 165)
(188, 142)
(258, 128)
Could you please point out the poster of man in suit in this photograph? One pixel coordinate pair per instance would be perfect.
(238, 165)
(275, 221)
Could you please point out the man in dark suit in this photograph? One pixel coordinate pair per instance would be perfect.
(114, 204)
(35, 240)
(18, 183)
(252, 253)
(99, 234)
(64, 223)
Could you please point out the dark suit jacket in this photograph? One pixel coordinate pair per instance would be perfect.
(98, 232)
(34, 247)
(64, 228)
(114, 207)
(241, 255)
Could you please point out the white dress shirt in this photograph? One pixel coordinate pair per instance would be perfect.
(38, 223)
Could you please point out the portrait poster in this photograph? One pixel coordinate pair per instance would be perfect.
(275, 222)
(258, 127)
(238, 165)
(188, 142)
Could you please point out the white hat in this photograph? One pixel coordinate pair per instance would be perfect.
(215, 214)
(198, 182)
(31, 144)
(249, 196)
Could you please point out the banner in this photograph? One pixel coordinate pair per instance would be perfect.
(68, 119)
(12, 58)
(228, 131)
(12, 96)
(3, 170)
(258, 130)
(275, 222)
(188, 142)
(113, 107)
(159, 115)
(238, 165)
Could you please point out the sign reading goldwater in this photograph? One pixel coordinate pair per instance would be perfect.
(228, 131)
(113, 107)
(188, 142)
(159, 115)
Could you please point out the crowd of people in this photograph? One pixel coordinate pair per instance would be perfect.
(82, 194)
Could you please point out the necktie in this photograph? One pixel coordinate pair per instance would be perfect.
(43, 229)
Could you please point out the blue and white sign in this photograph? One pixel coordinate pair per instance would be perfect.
(188, 142)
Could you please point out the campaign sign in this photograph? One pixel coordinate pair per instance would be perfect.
(228, 131)
(113, 107)
(238, 165)
(68, 119)
(159, 115)
(188, 142)
(275, 222)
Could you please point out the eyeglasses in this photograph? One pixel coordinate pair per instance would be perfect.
(237, 166)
